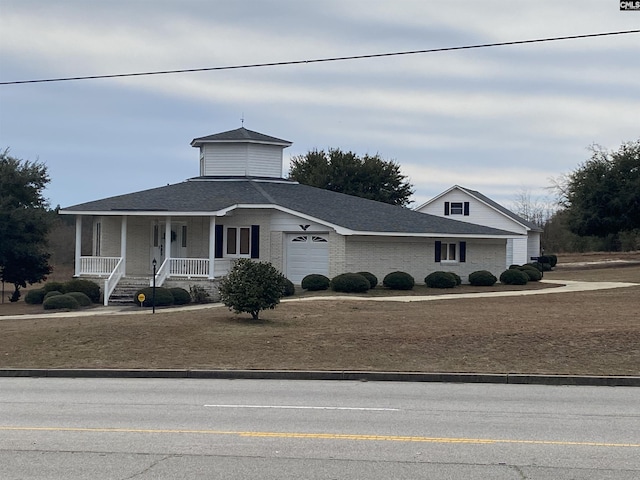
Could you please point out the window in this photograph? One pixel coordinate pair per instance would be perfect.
(238, 241)
(456, 208)
(98, 238)
(156, 235)
(183, 241)
(450, 252)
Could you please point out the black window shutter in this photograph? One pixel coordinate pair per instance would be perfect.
(218, 241)
(438, 251)
(463, 251)
(255, 241)
(466, 208)
(446, 208)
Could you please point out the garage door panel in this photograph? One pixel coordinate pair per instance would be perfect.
(307, 254)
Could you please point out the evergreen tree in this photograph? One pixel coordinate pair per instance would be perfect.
(24, 222)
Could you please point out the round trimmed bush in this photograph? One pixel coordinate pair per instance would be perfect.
(163, 297)
(553, 260)
(398, 281)
(533, 273)
(350, 283)
(35, 297)
(514, 277)
(457, 278)
(60, 302)
(89, 288)
(289, 288)
(52, 293)
(53, 286)
(373, 280)
(482, 278)
(81, 298)
(536, 265)
(314, 282)
(180, 296)
(440, 280)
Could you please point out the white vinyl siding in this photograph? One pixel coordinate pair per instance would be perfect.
(241, 159)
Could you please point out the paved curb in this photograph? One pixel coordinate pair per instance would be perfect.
(499, 378)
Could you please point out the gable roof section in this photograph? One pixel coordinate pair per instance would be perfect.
(240, 135)
(346, 213)
(486, 200)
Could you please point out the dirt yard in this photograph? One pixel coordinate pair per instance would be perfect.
(596, 332)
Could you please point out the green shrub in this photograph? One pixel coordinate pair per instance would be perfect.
(35, 297)
(314, 282)
(53, 286)
(163, 297)
(373, 280)
(536, 265)
(456, 277)
(52, 293)
(89, 288)
(350, 283)
(199, 294)
(512, 266)
(289, 288)
(180, 296)
(252, 287)
(482, 278)
(81, 298)
(553, 260)
(60, 301)
(514, 277)
(440, 280)
(533, 273)
(398, 281)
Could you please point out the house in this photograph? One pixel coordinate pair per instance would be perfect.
(240, 206)
(470, 206)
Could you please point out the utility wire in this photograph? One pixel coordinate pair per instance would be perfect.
(322, 60)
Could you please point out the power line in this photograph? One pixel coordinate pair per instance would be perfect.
(321, 60)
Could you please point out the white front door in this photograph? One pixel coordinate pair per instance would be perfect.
(306, 254)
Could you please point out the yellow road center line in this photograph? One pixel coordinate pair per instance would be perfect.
(324, 436)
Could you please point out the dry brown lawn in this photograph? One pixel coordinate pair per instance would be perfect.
(594, 332)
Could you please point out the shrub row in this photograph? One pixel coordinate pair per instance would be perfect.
(90, 289)
(164, 296)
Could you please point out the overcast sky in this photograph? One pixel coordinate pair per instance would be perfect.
(500, 120)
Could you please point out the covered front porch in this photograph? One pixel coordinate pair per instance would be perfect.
(170, 248)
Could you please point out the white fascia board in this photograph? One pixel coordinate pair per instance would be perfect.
(144, 213)
(261, 142)
(435, 235)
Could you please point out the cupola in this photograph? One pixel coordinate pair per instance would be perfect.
(240, 153)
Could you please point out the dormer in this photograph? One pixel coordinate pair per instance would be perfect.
(240, 153)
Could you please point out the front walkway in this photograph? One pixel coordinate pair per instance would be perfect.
(564, 286)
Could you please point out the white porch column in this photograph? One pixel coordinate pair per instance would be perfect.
(78, 245)
(167, 238)
(123, 244)
(212, 246)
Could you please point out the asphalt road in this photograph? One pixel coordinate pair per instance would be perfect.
(243, 429)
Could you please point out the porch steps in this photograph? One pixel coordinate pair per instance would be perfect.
(126, 289)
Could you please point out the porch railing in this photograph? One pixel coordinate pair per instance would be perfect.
(183, 267)
(111, 282)
(98, 265)
(189, 267)
(161, 274)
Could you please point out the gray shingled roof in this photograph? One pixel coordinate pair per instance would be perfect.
(210, 195)
(239, 135)
(502, 209)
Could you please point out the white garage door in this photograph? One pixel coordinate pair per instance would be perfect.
(307, 253)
